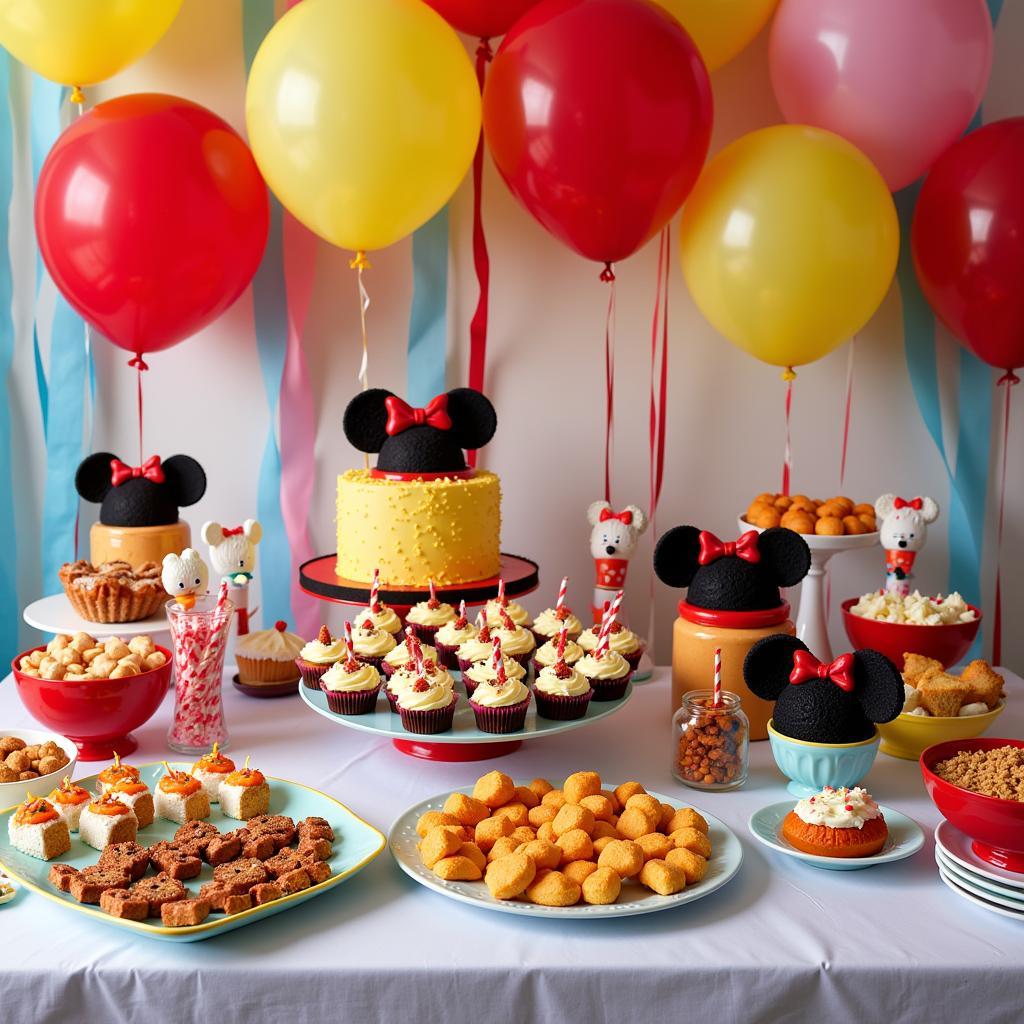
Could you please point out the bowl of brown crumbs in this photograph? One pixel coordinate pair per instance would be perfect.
(978, 786)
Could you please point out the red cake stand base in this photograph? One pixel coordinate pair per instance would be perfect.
(456, 751)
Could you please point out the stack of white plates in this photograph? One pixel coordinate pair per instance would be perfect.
(963, 871)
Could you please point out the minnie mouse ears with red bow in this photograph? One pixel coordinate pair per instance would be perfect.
(420, 440)
(145, 495)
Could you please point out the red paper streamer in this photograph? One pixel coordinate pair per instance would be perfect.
(1009, 380)
(787, 461)
(659, 388)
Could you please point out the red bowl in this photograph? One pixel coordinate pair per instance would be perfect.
(98, 714)
(995, 826)
(947, 644)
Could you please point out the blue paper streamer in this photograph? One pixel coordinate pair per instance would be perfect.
(269, 305)
(428, 328)
(9, 604)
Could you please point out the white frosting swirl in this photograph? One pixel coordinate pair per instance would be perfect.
(516, 612)
(399, 655)
(317, 653)
(340, 678)
(493, 694)
(481, 671)
(573, 685)
(475, 650)
(549, 624)
(372, 643)
(838, 808)
(625, 641)
(270, 645)
(452, 635)
(423, 615)
(612, 666)
(432, 672)
(384, 618)
(547, 654)
(515, 641)
(425, 699)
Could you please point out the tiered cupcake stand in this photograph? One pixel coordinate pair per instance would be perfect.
(464, 742)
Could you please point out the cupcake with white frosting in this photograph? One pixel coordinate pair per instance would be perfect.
(371, 644)
(427, 708)
(405, 654)
(268, 656)
(435, 674)
(562, 692)
(547, 654)
(551, 621)
(452, 635)
(516, 612)
(427, 617)
(316, 657)
(382, 616)
(351, 687)
(500, 704)
(620, 639)
(608, 673)
(516, 641)
(484, 672)
(479, 648)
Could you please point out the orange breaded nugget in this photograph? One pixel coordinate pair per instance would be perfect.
(692, 839)
(655, 846)
(687, 817)
(466, 809)
(575, 845)
(538, 815)
(508, 877)
(578, 870)
(553, 798)
(526, 797)
(635, 822)
(464, 832)
(667, 810)
(431, 818)
(599, 806)
(541, 786)
(626, 790)
(473, 852)
(917, 665)
(581, 784)
(605, 828)
(622, 856)
(662, 877)
(524, 834)
(602, 842)
(553, 889)
(503, 847)
(546, 832)
(602, 886)
(612, 799)
(438, 843)
(517, 813)
(543, 854)
(494, 789)
(490, 830)
(457, 869)
(572, 817)
(646, 803)
(693, 865)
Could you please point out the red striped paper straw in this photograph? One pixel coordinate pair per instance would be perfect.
(562, 590)
(462, 610)
(718, 677)
(410, 640)
(417, 654)
(613, 611)
(348, 642)
(501, 591)
(506, 621)
(433, 592)
(374, 590)
(496, 653)
(563, 637)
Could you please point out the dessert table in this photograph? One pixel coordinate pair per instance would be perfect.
(781, 941)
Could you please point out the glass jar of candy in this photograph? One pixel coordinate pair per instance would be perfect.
(710, 743)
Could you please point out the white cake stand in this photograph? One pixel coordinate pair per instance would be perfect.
(812, 617)
(54, 614)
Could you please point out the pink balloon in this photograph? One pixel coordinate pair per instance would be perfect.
(900, 79)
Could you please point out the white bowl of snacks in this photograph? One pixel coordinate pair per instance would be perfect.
(24, 753)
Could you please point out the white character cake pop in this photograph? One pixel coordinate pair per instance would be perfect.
(233, 557)
(903, 530)
(185, 577)
(613, 539)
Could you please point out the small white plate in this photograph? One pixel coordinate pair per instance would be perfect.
(986, 903)
(905, 839)
(54, 614)
(978, 885)
(726, 857)
(957, 846)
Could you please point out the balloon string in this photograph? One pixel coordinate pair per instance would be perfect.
(140, 365)
(659, 390)
(608, 276)
(1009, 380)
(481, 259)
(77, 96)
(787, 461)
(842, 456)
(360, 263)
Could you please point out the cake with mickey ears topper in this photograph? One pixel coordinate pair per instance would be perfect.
(420, 514)
(139, 519)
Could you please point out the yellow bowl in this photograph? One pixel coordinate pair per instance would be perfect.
(907, 735)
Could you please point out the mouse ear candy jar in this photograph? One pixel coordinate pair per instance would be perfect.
(732, 601)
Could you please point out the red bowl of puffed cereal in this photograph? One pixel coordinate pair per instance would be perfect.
(94, 692)
(978, 786)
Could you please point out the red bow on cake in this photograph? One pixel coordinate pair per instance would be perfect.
(235, 531)
(626, 518)
(712, 549)
(806, 668)
(402, 416)
(916, 503)
(150, 469)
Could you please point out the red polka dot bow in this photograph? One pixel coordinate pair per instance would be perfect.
(806, 668)
(712, 549)
(402, 416)
(150, 469)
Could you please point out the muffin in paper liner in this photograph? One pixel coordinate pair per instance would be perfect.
(311, 673)
(352, 702)
(562, 708)
(505, 719)
(431, 721)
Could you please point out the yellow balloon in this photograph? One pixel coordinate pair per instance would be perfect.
(81, 42)
(789, 242)
(363, 117)
(720, 28)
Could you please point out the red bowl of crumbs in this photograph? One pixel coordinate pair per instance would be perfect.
(994, 824)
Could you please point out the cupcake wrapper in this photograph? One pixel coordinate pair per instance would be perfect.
(510, 718)
(376, 661)
(426, 634)
(523, 659)
(392, 700)
(610, 689)
(360, 702)
(469, 684)
(562, 709)
(311, 674)
(447, 655)
(254, 671)
(634, 657)
(429, 722)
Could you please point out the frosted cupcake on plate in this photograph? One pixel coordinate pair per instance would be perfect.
(479, 648)
(516, 641)
(428, 669)
(500, 704)
(549, 623)
(607, 671)
(351, 687)
(485, 672)
(547, 654)
(268, 656)
(381, 615)
(452, 635)
(562, 692)
(427, 708)
(405, 653)
(516, 612)
(427, 617)
(318, 656)
(620, 639)
(371, 644)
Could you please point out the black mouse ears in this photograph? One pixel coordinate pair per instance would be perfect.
(783, 554)
(375, 415)
(774, 662)
(98, 474)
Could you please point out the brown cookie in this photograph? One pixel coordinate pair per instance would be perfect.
(215, 894)
(121, 903)
(315, 828)
(175, 862)
(240, 875)
(128, 857)
(318, 871)
(62, 875)
(158, 890)
(294, 881)
(236, 904)
(259, 845)
(91, 883)
(315, 849)
(265, 892)
(278, 826)
(183, 913)
(222, 849)
(283, 862)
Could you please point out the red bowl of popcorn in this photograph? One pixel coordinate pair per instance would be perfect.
(97, 713)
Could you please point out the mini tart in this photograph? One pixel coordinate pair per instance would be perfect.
(608, 675)
(351, 687)
(516, 612)
(268, 656)
(621, 640)
(113, 591)
(835, 842)
(562, 693)
(427, 617)
(427, 708)
(551, 622)
(450, 637)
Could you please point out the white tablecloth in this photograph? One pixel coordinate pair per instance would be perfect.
(780, 942)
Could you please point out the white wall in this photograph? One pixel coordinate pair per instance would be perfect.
(725, 426)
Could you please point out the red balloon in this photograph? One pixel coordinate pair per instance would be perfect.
(968, 241)
(483, 18)
(598, 115)
(152, 218)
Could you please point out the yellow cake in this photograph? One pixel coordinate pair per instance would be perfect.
(447, 529)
